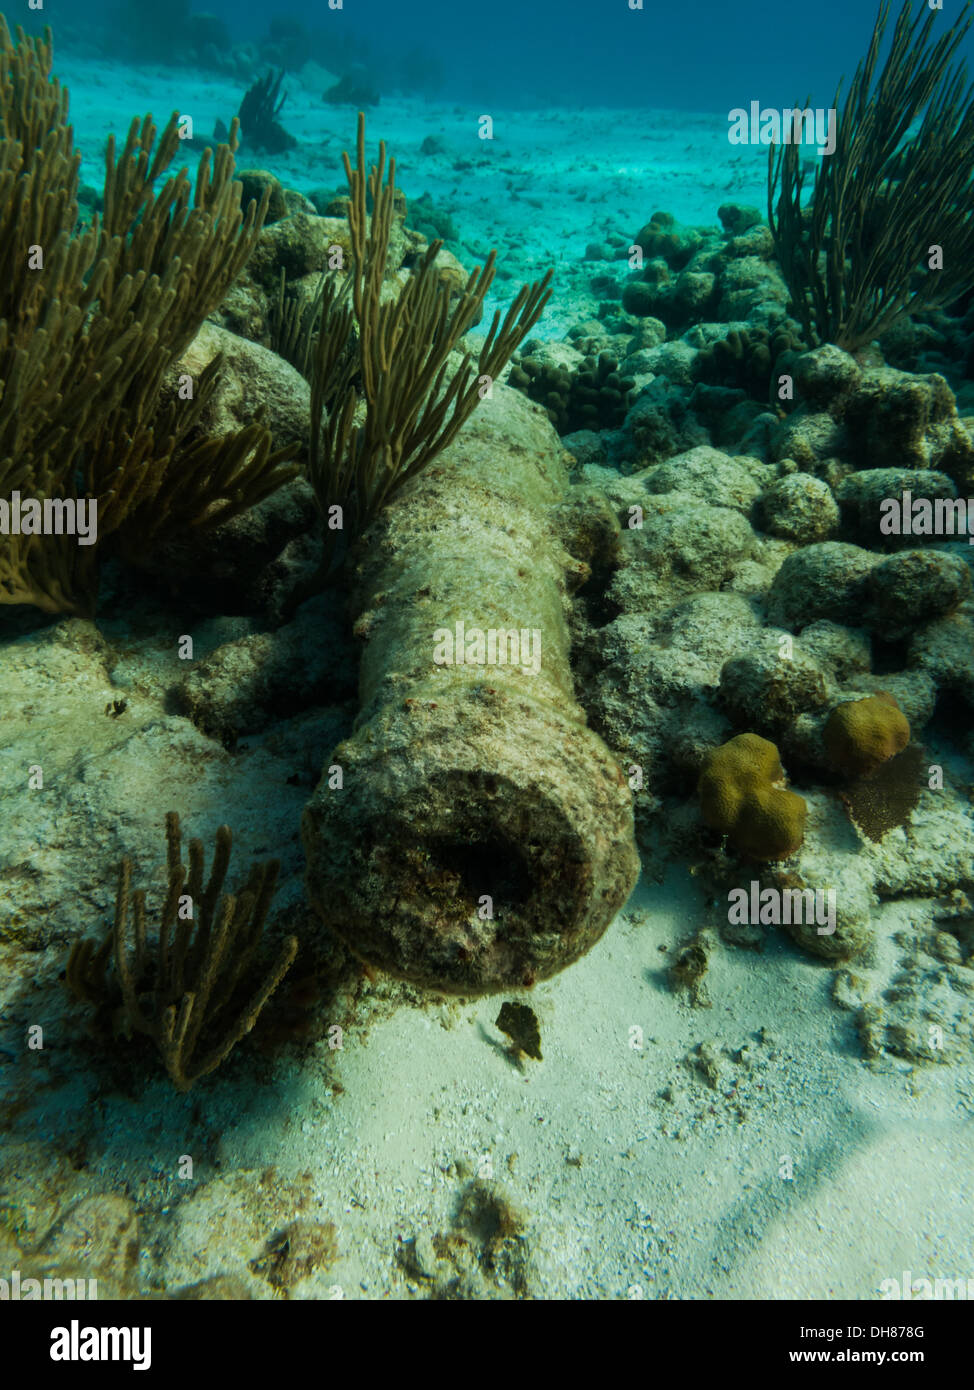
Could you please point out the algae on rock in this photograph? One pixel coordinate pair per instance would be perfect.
(482, 834)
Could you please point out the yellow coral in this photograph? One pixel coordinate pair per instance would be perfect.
(861, 735)
(740, 795)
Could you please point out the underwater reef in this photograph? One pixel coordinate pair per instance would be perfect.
(559, 685)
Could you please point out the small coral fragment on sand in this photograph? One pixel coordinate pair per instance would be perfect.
(521, 1025)
(691, 965)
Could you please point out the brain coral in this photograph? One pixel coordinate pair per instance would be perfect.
(740, 795)
(861, 735)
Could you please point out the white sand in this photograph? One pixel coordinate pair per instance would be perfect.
(546, 185)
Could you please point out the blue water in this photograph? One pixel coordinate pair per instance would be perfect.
(702, 55)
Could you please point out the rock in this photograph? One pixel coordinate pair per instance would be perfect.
(801, 508)
(853, 933)
(255, 181)
(693, 293)
(826, 580)
(424, 1255)
(809, 439)
(831, 861)
(650, 333)
(269, 676)
(587, 446)
(707, 473)
(683, 548)
(97, 1239)
(296, 201)
(35, 1186)
(663, 238)
(756, 241)
(750, 284)
(639, 298)
(249, 1208)
(252, 375)
(658, 425)
(844, 653)
(298, 245)
(649, 698)
(450, 272)
(824, 375)
(912, 589)
(896, 419)
(296, 1252)
(860, 497)
(850, 991)
(672, 360)
(232, 560)
(945, 651)
(736, 218)
(764, 691)
(588, 527)
(877, 418)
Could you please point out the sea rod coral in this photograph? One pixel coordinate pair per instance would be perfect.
(90, 321)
